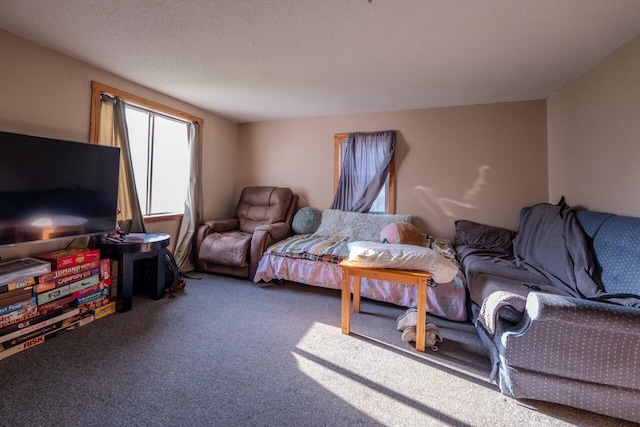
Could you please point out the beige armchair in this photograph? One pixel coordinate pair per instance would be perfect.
(234, 246)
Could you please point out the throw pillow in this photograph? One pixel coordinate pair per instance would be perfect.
(402, 232)
(306, 221)
(483, 236)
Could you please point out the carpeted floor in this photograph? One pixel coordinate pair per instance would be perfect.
(228, 352)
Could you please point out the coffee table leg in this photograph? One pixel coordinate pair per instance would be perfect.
(356, 294)
(422, 315)
(346, 301)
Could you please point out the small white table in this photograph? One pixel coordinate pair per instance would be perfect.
(409, 277)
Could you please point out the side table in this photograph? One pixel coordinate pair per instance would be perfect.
(126, 252)
(409, 277)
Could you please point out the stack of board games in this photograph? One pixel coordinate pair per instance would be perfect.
(57, 291)
(17, 277)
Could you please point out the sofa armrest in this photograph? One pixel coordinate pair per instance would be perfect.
(222, 225)
(263, 237)
(208, 227)
(575, 338)
(276, 231)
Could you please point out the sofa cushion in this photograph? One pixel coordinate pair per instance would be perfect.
(262, 206)
(483, 236)
(231, 248)
(357, 225)
(616, 249)
(489, 271)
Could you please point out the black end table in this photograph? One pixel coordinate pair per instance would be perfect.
(126, 251)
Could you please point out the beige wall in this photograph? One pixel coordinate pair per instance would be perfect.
(481, 162)
(45, 93)
(594, 136)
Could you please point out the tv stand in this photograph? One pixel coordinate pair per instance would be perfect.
(152, 246)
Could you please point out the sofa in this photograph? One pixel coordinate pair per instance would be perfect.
(557, 305)
(312, 258)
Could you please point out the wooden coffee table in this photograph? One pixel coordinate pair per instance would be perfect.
(409, 277)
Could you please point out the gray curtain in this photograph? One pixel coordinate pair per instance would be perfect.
(113, 132)
(365, 166)
(193, 211)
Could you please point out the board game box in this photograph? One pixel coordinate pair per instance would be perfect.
(70, 257)
(55, 274)
(22, 269)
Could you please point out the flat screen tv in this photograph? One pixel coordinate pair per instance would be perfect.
(51, 188)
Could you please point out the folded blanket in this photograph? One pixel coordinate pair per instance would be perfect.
(331, 249)
(491, 306)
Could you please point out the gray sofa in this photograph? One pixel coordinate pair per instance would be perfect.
(557, 304)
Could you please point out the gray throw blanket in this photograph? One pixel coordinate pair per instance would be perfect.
(552, 242)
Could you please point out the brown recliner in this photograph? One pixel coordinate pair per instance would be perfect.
(235, 246)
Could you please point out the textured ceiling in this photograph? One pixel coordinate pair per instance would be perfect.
(254, 60)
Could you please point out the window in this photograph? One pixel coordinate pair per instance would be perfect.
(385, 202)
(160, 156)
(159, 142)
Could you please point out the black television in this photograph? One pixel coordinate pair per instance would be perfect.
(52, 188)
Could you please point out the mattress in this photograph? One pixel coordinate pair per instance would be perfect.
(307, 260)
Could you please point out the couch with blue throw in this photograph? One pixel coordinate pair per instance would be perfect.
(557, 304)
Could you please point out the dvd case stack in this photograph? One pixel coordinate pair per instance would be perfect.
(41, 297)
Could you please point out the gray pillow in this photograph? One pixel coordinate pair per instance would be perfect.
(306, 221)
(483, 236)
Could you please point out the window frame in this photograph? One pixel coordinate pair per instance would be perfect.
(97, 89)
(338, 139)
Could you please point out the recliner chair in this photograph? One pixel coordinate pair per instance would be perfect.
(234, 246)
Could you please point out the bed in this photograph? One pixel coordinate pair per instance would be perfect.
(313, 259)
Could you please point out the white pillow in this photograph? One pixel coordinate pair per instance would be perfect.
(402, 257)
(360, 226)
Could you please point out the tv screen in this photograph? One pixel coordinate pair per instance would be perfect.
(51, 188)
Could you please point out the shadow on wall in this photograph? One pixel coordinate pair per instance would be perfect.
(437, 206)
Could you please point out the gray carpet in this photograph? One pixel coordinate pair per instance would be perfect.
(228, 352)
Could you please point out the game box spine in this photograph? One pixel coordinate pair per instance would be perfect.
(42, 330)
(78, 287)
(24, 346)
(27, 322)
(22, 305)
(55, 274)
(94, 296)
(53, 294)
(16, 296)
(17, 285)
(33, 329)
(66, 326)
(14, 317)
(89, 306)
(105, 271)
(65, 280)
(70, 257)
(57, 304)
(104, 310)
(90, 289)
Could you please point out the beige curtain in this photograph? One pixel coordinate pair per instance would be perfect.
(193, 211)
(113, 132)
